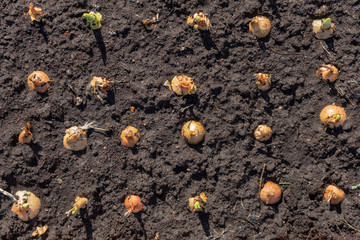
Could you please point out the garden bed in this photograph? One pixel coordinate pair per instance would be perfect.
(163, 170)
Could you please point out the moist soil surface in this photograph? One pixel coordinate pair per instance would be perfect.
(302, 156)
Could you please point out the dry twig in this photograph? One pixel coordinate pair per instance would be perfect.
(262, 173)
(218, 235)
(325, 48)
(8, 194)
(41, 165)
(348, 224)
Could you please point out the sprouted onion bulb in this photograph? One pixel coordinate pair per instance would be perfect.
(328, 73)
(201, 21)
(182, 85)
(40, 231)
(75, 139)
(130, 136)
(80, 202)
(25, 136)
(35, 13)
(323, 29)
(27, 206)
(260, 26)
(270, 193)
(333, 116)
(196, 204)
(100, 86)
(262, 133)
(193, 132)
(334, 195)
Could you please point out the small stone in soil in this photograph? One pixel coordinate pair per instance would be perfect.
(254, 218)
(113, 33)
(67, 124)
(307, 177)
(68, 73)
(270, 167)
(322, 11)
(278, 221)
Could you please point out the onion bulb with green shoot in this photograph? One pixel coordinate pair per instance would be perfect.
(27, 206)
(94, 19)
(260, 26)
(193, 132)
(196, 204)
(323, 29)
(328, 73)
(262, 133)
(80, 202)
(200, 21)
(334, 195)
(333, 116)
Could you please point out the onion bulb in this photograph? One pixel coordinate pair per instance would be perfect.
(328, 73)
(193, 132)
(334, 195)
(262, 133)
(270, 193)
(333, 116)
(27, 206)
(260, 26)
(323, 29)
(133, 204)
(38, 81)
(130, 136)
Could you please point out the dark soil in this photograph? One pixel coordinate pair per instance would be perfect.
(163, 170)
